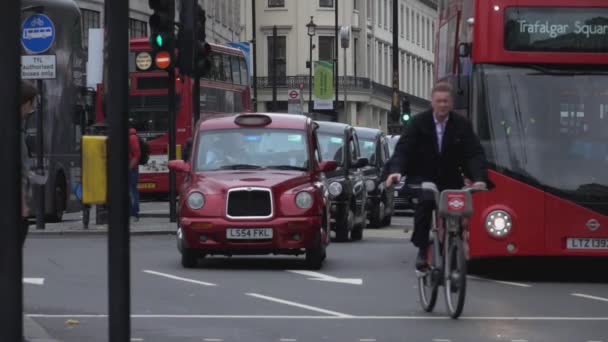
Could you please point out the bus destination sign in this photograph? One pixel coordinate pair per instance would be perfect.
(561, 29)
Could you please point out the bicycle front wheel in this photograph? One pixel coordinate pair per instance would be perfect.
(455, 276)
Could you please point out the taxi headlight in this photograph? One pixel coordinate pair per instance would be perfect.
(196, 200)
(304, 200)
(498, 223)
(370, 185)
(335, 189)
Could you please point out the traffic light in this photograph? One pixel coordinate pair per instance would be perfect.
(406, 112)
(193, 50)
(162, 29)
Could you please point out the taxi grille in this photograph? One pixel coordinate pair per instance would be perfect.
(246, 203)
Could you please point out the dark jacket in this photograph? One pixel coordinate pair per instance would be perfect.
(417, 155)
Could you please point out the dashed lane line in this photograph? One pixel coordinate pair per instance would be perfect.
(298, 305)
(499, 281)
(582, 295)
(187, 280)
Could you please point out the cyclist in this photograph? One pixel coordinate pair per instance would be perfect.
(438, 146)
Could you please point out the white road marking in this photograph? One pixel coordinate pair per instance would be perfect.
(288, 340)
(601, 299)
(213, 340)
(441, 340)
(499, 281)
(594, 341)
(367, 340)
(179, 278)
(519, 340)
(324, 277)
(136, 339)
(303, 306)
(333, 317)
(33, 281)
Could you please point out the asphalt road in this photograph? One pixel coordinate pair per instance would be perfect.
(366, 292)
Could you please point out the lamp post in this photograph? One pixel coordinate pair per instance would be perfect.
(312, 28)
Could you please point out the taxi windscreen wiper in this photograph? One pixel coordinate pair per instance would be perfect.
(240, 167)
(286, 167)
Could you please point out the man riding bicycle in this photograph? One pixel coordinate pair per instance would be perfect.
(438, 146)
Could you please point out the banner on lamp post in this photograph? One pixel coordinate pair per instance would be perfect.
(323, 87)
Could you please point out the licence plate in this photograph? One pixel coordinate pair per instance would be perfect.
(587, 243)
(396, 193)
(146, 185)
(249, 233)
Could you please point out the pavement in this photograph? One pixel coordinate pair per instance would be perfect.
(366, 292)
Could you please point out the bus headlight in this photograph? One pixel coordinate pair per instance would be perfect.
(370, 185)
(196, 200)
(498, 223)
(304, 200)
(335, 189)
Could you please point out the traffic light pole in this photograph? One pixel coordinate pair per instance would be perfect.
(395, 103)
(255, 58)
(119, 280)
(41, 212)
(11, 256)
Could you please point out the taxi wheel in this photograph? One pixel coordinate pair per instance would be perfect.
(189, 259)
(315, 258)
(377, 217)
(344, 226)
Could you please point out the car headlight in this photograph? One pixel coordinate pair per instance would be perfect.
(304, 200)
(370, 185)
(498, 223)
(196, 200)
(335, 189)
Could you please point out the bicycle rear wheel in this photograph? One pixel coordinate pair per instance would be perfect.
(455, 276)
(427, 286)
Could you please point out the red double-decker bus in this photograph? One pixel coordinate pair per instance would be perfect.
(225, 90)
(532, 77)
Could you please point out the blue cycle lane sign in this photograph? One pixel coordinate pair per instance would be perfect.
(37, 37)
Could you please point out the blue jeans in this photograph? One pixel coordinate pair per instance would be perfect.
(133, 192)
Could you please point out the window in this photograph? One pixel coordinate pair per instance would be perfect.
(417, 29)
(355, 54)
(385, 10)
(276, 3)
(432, 35)
(369, 60)
(379, 12)
(370, 9)
(379, 64)
(216, 11)
(407, 23)
(326, 3)
(423, 32)
(326, 48)
(385, 65)
(244, 72)
(390, 10)
(236, 70)
(137, 28)
(356, 5)
(90, 19)
(281, 59)
(402, 12)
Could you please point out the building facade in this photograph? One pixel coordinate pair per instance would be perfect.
(367, 83)
(223, 18)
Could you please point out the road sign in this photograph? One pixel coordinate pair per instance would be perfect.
(294, 95)
(163, 60)
(38, 67)
(37, 33)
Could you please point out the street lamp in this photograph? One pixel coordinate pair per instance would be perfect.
(312, 28)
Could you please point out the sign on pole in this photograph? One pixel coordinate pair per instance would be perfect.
(38, 67)
(294, 101)
(323, 92)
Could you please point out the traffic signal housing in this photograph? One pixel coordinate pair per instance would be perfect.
(162, 28)
(194, 52)
(406, 112)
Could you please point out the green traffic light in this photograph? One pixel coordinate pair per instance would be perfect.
(405, 117)
(159, 40)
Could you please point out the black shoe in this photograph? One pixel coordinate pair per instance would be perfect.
(421, 260)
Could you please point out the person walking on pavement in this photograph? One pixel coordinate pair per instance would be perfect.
(134, 156)
(28, 97)
(438, 146)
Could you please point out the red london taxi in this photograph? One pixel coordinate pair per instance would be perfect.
(255, 184)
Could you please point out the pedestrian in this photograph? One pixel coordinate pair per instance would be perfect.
(29, 95)
(134, 156)
(438, 146)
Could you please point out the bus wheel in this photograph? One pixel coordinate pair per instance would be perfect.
(59, 197)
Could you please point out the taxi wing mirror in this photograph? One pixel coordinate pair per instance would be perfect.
(179, 166)
(328, 165)
(361, 162)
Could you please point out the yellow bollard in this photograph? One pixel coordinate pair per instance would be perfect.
(94, 169)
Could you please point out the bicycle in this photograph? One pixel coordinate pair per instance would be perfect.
(447, 261)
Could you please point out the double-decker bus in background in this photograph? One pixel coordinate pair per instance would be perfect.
(225, 90)
(532, 75)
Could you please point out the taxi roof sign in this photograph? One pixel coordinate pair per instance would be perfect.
(253, 120)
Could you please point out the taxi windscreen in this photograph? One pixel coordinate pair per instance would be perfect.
(252, 148)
